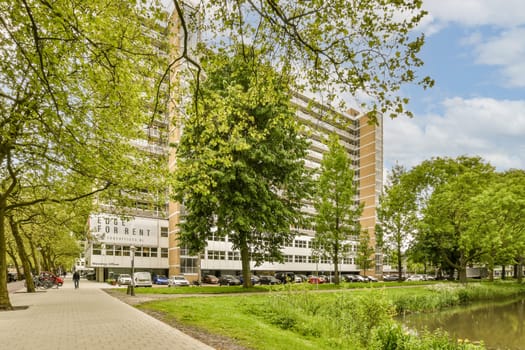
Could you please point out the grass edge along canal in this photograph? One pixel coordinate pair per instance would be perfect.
(294, 318)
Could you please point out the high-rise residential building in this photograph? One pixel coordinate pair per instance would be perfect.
(138, 230)
(363, 142)
(154, 233)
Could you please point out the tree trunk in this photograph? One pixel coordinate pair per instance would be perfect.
(245, 261)
(399, 265)
(462, 271)
(503, 273)
(23, 256)
(335, 258)
(5, 303)
(520, 269)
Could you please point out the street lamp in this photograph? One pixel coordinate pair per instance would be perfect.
(131, 289)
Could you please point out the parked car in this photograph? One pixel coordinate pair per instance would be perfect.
(142, 279)
(415, 278)
(160, 279)
(210, 279)
(229, 280)
(359, 278)
(12, 277)
(269, 280)
(316, 280)
(303, 278)
(285, 277)
(178, 281)
(371, 278)
(348, 278)
(391, 278)
(253, 278)
(124, 279)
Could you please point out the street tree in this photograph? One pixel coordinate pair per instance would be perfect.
(365, 251)
(445, 188)
(397, 216)
(240, 160)
(498, 220)
(334, 47)
(337, 215)
(77, 81)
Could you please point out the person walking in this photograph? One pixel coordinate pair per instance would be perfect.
(76, 278)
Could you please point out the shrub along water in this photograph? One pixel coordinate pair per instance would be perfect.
(290, 318)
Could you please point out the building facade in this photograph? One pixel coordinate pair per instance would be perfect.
(364, 144)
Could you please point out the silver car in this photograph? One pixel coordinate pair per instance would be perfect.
(124, 279)
(178, 281)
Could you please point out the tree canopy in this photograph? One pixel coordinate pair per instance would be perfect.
(333, 47)
(77, 83)
(337, 215)
(240, 168)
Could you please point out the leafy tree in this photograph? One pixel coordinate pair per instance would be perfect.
(360, 48)
(77, 81)
(397, 216)
(365, 252)
(240, 165)
(337, 215)
(444, 189)
(498, 218)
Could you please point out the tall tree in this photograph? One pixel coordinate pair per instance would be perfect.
(337, 215)
(359, 48)
(240, 166)
(397, 216)
(365, 251)
(444, 189)
(77, 81)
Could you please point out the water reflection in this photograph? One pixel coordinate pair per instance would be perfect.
(500, 325)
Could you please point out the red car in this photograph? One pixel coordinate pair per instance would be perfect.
(316, 280)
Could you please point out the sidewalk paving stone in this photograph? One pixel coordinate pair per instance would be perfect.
(84, 318)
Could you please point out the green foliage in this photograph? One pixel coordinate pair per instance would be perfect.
(240, 162)
(337, 216)
(397, 218)
(331, 46)
(77, 83)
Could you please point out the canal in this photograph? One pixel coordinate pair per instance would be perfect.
(500, 325)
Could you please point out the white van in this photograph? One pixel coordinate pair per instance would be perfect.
(142, 279)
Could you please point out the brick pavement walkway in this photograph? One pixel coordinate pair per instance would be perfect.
(84, 318)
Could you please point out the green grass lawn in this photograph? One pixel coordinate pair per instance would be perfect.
(298, 317)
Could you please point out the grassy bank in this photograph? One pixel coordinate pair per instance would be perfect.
(291, 318)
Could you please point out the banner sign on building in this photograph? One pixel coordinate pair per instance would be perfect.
(117, 230)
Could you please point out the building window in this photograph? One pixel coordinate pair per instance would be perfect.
(300, 243)
(97, 249)
(109, 250)
(145, 252)
(125, 250)
(189, 265)
(300, 259)
(163, 252)
(118, 250)
(288, 258)
(164, 231)
(154, 252)
(313, 259)
(216, 255)
(325, 260)
(234, 256)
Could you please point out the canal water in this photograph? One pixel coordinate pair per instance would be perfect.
(500, 325)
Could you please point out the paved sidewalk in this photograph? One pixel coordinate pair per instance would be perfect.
(84, 318)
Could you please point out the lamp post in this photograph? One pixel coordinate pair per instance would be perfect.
(131, 290)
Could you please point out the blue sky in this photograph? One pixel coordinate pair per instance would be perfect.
(475, 51)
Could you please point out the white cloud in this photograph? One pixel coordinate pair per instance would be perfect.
(506, 50)
(507, 13)
(492, 129)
